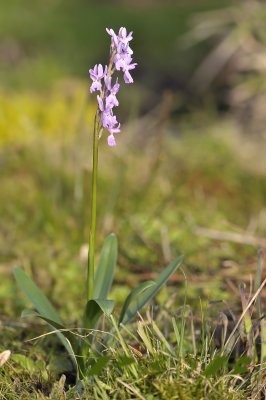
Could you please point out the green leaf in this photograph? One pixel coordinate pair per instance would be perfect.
(215, 365)
(31, 313)
(134, 294)
(138, 300)
(69, 348)
(106, 267)
(100, 364)
(94, 310)
(36, 296)
(45, 310)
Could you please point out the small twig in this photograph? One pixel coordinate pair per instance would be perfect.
(231, 237)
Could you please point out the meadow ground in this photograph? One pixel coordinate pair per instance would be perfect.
(183, 179)
(187, 192)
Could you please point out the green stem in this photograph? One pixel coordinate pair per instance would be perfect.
(90, 274)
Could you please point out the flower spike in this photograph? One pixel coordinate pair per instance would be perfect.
(120, 60)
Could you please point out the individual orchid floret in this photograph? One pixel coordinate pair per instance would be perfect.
(123, 36)
(96, 85)
(127, 76)
(109, 120)
(120, 60)
(97, 74)
(113, 36)
(108, 103)
(111, 101)
(111, 140)
(108, 83)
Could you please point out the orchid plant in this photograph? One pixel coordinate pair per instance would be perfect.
(81, 348)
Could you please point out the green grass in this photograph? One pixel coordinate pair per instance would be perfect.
(153, 200)
(148, 364)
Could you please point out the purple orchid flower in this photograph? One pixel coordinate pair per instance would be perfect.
(96, 75)
(108, 83)
(120, 60)
(123, 36)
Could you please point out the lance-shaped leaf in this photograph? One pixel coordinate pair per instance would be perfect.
(30, 314)
(94, 310)
(133, 295)
(140, 296)
(106, 267)
(36, 296)
(46, 311)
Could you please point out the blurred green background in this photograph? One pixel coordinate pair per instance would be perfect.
(191, 154)
(44, 41)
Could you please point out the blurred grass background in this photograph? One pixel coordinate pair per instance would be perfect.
(187, 157)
